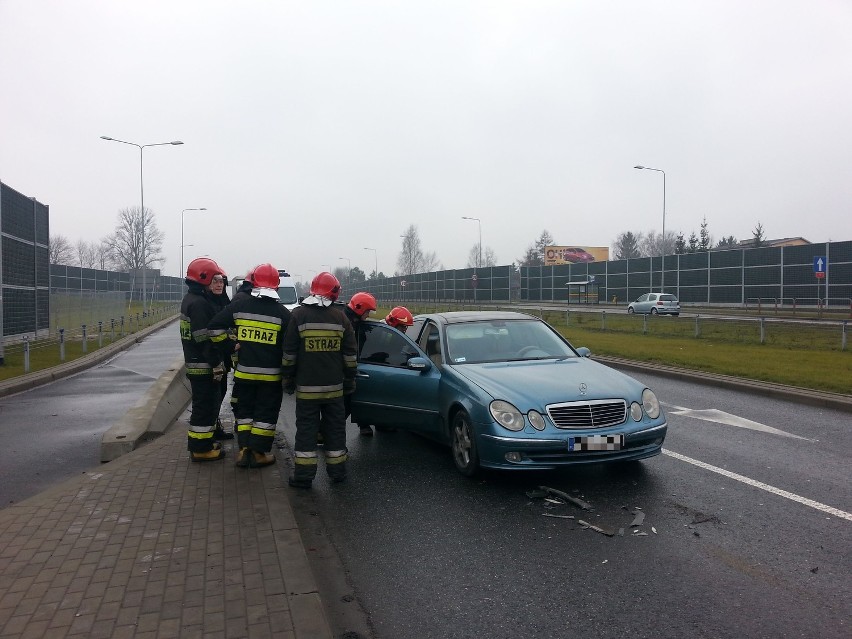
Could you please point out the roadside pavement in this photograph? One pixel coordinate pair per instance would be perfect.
(153, 545)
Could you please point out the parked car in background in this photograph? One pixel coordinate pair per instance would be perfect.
(504, 390)
(655, 304)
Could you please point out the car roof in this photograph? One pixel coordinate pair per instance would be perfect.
(460, 317)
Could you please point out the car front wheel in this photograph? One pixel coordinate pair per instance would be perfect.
(630, 310)
(464, 445)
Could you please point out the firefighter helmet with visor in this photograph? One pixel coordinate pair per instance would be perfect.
(201, 270)
(362, 303)
(325, 285)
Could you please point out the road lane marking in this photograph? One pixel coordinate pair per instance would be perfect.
(721, 417)
(759, 484)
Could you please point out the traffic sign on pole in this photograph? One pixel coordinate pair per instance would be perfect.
(820, 266)
(474, 280)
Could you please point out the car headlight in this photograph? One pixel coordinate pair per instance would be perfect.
(507, 415)
(536, 419)
(650, 403)
(636, 411)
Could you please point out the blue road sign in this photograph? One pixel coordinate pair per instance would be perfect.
(820, 264)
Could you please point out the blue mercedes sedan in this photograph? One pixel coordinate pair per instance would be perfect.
(503, 390)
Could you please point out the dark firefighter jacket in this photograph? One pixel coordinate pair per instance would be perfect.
(260, 323)
(319, 352)
(196, 311)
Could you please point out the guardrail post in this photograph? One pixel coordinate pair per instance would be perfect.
(26, 353)
(112, 328)
(697, 327)
(644, 323)
(122, 325)
(100, 334)
(843, 338)
(85, 340)
(567, 314)
(61, 344)
(762, 330)
(603, 320)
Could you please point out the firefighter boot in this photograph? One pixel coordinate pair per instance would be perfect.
(258, 460)
(210, 455)
(243, 457)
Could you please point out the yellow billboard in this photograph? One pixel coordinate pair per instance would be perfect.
(575, 254)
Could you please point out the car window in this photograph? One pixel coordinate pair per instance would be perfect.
(414, 330)
(380, 344)
(500, 341)
(668, 298)
(643, 298)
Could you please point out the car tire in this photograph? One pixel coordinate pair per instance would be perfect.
(653, 311)
(630, 310)
(463, 442)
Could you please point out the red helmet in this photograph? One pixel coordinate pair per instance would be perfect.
(325, 285)
(362, 303)
(399, 316)
(265, 276)
(202, 270)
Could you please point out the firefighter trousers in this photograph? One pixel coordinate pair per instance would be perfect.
(326, 416)
(203, 414)
(256, 413)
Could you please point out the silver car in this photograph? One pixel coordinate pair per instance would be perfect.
(655, 303)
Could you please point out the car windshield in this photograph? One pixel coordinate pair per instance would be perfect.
(287, 295)
(504, 341)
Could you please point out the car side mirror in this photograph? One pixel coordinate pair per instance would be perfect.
(419, 364)
(584, 352)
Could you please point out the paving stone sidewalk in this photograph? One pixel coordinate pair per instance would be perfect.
(152, 545)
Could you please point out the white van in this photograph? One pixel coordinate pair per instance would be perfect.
(287, 293)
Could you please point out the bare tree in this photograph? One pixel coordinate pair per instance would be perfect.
(430, 263)
(411, 256)
(59, 250)
(487, 255)
(654, 244)
(626, 246)
(85, 254)
(103, 255)
(126, 242)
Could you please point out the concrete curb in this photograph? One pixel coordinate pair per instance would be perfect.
(767, 389)
(153, 414)
(39, 378)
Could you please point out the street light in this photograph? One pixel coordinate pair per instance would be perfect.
(142, 199)
(480, 237)
(663, 246)
(375, 255)
(479, 223)
(349, 272)
(181, 236)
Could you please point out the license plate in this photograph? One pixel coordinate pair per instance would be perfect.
(596, 442)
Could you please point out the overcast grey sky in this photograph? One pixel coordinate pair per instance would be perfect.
(314, 129)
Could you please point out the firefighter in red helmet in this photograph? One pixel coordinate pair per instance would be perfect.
(319, 366)
(400, 318)
(204, 367)
(260, 322)
(358, 309)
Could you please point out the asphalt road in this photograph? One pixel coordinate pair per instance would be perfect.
(408, 548)
(53, 432)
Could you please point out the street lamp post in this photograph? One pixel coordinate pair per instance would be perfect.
(479, 223)
(663, 244)
(142, 200)
(349, 272)
(376, 256)
(181, 237)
